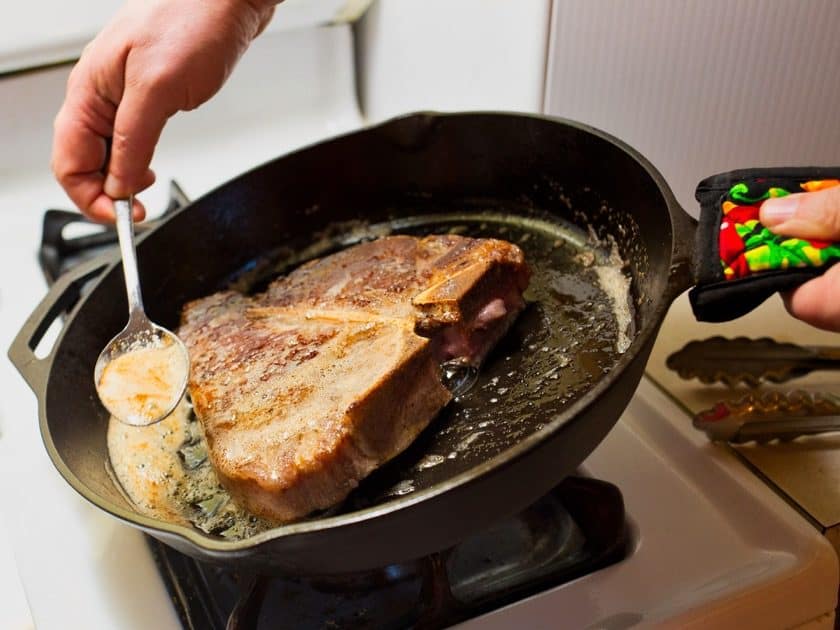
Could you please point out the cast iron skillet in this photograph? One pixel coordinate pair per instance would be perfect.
(521, 172)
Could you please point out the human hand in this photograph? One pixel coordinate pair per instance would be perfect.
(811, 215)
(153, 59)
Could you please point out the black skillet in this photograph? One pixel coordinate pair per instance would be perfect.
(560, 384)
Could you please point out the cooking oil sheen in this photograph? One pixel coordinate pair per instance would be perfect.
(578, 321)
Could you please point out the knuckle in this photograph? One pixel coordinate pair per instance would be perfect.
(833, 224)
(832, 203)
(823, 209)
(77, 73)
(829, 217)
(155, 79)
(120, 141)
(58, 173)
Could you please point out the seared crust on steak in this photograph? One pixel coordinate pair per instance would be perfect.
(304, 390)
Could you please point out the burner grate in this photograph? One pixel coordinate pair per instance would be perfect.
(59, 253)
(576, 529)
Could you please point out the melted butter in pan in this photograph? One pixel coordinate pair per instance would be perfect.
(164, 472)
(145, 461)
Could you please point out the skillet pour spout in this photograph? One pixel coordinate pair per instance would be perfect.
(496, 172)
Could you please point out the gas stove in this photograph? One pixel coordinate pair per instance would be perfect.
(701, 540)
(574, 543)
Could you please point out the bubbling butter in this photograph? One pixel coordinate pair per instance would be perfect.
(143, 384)
(164, 472)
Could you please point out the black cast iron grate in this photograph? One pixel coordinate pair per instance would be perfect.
(59, 253)
(576, 529)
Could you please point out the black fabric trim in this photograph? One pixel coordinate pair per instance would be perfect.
(720, 184)
(730, 299)
(708, 269)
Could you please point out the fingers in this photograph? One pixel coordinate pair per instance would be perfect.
(78, 158)
(816, 301)
(102, 210)
(79, 150)
(814, 215)
(154, 58)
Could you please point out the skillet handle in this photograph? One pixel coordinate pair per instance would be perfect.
(740, 263)
(62, 296)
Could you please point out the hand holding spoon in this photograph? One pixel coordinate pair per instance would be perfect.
(142, 373)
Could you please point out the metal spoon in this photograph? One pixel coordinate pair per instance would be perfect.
(142, 373)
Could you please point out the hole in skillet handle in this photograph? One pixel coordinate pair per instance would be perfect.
(45, 345)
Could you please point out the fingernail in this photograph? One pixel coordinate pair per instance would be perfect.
(775, 211)
(114, 188)
(109, 184)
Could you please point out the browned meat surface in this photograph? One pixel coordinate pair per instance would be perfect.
(303, 390)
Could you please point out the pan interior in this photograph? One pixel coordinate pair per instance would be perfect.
(560, 345)
(563, 342)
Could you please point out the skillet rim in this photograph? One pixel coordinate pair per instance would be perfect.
(222, 549)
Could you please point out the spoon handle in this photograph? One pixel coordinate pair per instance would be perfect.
(125, 232)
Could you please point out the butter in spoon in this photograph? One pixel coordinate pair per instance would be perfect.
(142, 373)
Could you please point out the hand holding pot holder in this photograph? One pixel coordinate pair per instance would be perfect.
(740, 263)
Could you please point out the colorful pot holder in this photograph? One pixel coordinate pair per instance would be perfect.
(740, 263)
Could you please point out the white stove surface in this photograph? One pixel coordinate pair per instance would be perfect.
(714, 545)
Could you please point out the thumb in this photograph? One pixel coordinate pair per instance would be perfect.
(811, 215)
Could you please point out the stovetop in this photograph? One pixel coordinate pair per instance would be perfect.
(703, 533)
(576, 529)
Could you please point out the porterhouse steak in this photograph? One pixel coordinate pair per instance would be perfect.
(305, 389)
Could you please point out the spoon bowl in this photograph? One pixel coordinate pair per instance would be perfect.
(142, 373)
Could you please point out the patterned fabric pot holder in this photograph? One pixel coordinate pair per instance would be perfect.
(740, 263)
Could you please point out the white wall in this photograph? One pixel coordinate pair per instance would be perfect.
(39, 32)
(702, 86)
(452, 55)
